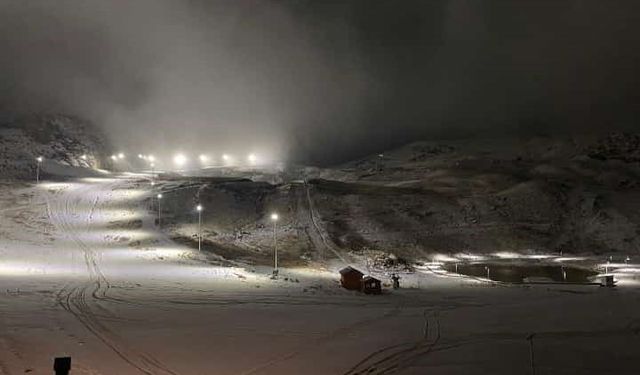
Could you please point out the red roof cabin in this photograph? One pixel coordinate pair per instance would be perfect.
(371, 285)
(351, 278)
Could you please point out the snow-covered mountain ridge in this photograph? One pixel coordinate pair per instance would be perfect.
(62, 141)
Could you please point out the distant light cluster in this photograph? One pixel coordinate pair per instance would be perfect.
(183, 161)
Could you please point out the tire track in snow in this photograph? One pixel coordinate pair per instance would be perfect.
(380, 363)
(78, 300)
(329, 337)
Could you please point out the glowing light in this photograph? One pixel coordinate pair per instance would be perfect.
(471, 257)
(180, 160)
(507, 255)
(58, 185)
(39, 159)
(159, 196)
(171, 253)
(540, 256)
(444, 258)
(83, 157)
(140, 156)
(151, 158)
(274, 216)
(612, 265)
(199, 208)
(628, 270)
(226, 157)
(568, 259)
(121, 156)
(252, 158)
(203, 158)
(113, 157)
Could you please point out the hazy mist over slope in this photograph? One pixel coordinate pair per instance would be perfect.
(320, 81)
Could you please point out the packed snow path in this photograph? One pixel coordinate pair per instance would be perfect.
(72, 213)
(85, 273)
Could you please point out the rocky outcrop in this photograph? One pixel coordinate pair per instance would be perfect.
(60, 139)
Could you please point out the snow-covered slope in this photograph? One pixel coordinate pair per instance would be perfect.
(67, 145)
(484, 196)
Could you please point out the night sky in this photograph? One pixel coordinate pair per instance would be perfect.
(322, 81)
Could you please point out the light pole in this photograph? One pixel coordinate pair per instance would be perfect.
(274, 218)
(199, 209)
(38, 160)
(159, 196)
(531, 358)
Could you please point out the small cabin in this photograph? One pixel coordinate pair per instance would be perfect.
(351, 278)
(608, 281)
(371, 285)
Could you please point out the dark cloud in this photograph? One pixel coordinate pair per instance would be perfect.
(321, 81)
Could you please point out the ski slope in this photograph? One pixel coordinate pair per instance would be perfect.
(85, 273)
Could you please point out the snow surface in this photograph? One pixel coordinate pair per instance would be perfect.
(85, 273)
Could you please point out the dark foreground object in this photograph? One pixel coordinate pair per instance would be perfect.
(371, 285)
(351, 278)
(62, 365)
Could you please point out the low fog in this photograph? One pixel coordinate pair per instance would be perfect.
(321, 81)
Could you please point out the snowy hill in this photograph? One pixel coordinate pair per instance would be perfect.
(542, 194)
(483, 196)
(67, 145)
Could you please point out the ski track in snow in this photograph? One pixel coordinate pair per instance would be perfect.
(317, 232)
(83, 299)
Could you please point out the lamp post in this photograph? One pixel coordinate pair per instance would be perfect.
(274, 218)
(38, 160)
(159, 196)
(199, 209)
(531, 358)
